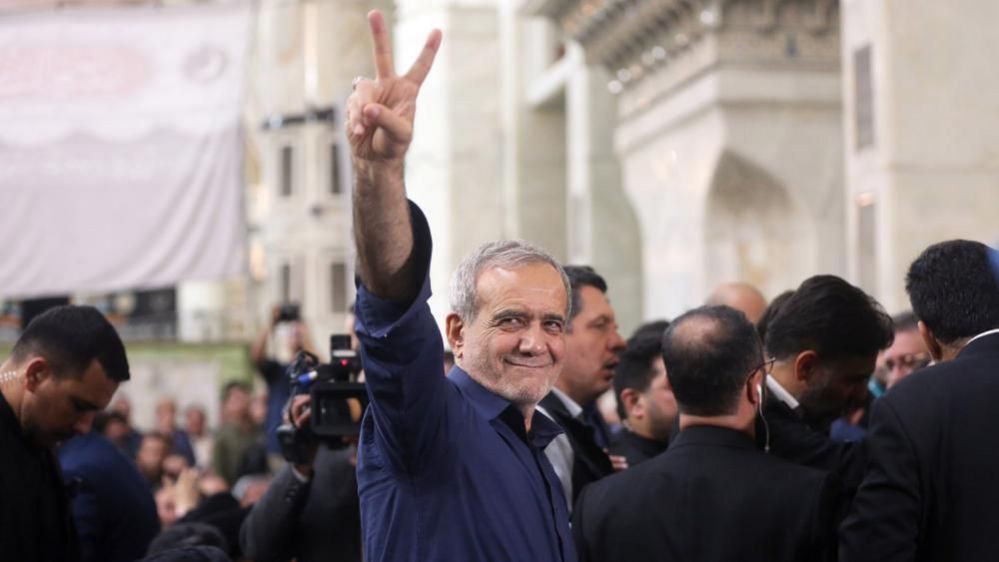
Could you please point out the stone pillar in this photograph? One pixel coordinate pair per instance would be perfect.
(454, 163)
(603, 230)
(920, 114)
(533, 125)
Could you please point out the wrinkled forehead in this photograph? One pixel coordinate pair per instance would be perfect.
(535, 285)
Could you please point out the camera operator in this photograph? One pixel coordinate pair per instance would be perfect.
(311, 510)
(291, 335)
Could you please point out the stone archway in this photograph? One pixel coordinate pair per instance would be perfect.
(754, 230)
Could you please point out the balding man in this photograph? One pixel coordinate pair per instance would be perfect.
(741, 296)
(713, 495)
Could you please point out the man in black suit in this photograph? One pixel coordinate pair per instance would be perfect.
(824, 339)
(592, 344)
(645, 400)
(63, 369)
(930, 492)
(713, 495)
(311, 511)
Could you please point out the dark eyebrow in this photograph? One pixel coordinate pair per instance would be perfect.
(601, 318)
(509, 313)
(82, 404)
(555, 317)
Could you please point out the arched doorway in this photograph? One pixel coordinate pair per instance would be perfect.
(754, 230)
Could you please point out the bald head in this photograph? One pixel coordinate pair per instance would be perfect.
(709, 354)
(740, 296)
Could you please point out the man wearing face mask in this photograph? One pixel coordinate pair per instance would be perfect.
(930, 490)
(63, 369)
(825, 339)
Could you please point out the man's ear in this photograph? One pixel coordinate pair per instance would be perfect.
(455, 330)
(35, 372)
(804, 365)
(754, 388)
(632, 403)
(932, 344)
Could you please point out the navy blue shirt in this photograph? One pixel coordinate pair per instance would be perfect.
(113, 509)
(445, 469)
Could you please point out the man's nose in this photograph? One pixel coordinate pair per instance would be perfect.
(616, 342)
(532, 340)
(85, 423)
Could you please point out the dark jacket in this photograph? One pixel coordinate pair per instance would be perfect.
(635, 448)
(35, 521)
(711, 497)
(590, 462)
(112, 506)
(933, 484)
(794, 439)
(319, 520)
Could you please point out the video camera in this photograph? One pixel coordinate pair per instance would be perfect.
(338, 400)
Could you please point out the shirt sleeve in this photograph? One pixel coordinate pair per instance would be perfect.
(403, 357)
(885, 520)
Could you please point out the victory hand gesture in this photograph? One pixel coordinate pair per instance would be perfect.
(380, 111)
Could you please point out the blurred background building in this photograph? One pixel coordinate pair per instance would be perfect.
(671, 144)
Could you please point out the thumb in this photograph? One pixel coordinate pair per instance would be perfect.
(397, 128)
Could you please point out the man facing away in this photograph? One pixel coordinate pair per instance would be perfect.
(448, 468)
(713, 496)
(61, 372)
(930, 492)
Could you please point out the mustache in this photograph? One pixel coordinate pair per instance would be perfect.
(529, 361)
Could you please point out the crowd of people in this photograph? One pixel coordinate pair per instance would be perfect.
(811, 427)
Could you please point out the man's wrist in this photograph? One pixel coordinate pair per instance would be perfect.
(372, 170)
(303, 472)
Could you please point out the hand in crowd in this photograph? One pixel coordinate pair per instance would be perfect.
(301, 416)
(618, 462)
(185, 491)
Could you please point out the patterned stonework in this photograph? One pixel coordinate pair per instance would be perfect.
(638, 39)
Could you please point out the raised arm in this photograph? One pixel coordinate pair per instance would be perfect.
(380, 127)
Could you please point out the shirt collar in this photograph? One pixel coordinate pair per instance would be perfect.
(491, 406)
(570, 405)
(488, 404)
(780, 394)
(983, 334)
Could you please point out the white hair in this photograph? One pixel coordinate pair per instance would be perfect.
(507, 254)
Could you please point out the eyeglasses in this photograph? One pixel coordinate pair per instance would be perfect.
(767, 366)
(910, 361)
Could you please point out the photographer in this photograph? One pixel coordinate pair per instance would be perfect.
(311, 510)
(291, 335)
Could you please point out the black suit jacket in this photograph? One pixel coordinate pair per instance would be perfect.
(795, 440)
(932, 488)
(319, 520)
(35, 518)
(711, 497)
(590, 462)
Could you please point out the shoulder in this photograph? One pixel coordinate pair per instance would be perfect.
(619, 486)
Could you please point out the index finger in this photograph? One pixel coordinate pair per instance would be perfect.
(383, 49)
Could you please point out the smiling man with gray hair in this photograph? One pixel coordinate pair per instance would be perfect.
(449, 468)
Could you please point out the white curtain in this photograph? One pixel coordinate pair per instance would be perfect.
(120, 147)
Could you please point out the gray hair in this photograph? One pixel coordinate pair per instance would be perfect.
(507, 254)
